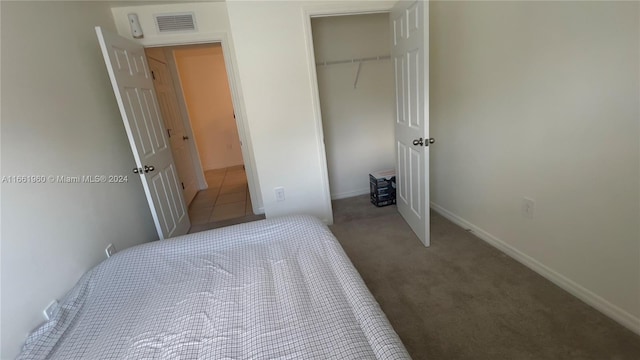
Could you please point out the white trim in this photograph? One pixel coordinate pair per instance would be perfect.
(243, 128)
(336, 9)
(348, 194)
(317, 118)
(621, 316)
(237, 99)
(348, 8)
(184, 39)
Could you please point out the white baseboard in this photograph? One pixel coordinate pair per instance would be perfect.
(619, 315)
(349, 194)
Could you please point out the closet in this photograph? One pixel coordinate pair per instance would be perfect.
(355, 84)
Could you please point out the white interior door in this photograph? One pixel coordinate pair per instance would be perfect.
(133, 86)
(410, 53)
(173, 121)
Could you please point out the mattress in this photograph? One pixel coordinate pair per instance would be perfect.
(273, 289)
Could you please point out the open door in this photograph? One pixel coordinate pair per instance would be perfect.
(178, 138)
(133, 86)
(410, 53)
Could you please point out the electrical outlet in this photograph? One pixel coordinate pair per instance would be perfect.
(528, 207)
(48, 311)
(279, 194)
(110, 250)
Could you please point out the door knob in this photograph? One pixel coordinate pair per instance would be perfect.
(417, 142)
(137, 170)
(185, 138)
(432, 140)
(148, 168)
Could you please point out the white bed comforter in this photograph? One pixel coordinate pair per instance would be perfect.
(274, 289)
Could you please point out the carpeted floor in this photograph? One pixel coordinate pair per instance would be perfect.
(463, 299)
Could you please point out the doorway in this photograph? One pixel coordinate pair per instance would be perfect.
(196, 102)
(356, 90)
(409, 54)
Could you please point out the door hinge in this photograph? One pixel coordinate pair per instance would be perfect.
(182, 185)
(169, 132)
(153, 75)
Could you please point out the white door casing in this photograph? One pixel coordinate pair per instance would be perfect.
(410, 54)
(133, 88)
(169, 109)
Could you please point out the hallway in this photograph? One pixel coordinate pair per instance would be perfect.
(226, 201)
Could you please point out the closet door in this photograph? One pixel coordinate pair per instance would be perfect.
(410, 54)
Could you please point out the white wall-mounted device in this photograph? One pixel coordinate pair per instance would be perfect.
(136, 29)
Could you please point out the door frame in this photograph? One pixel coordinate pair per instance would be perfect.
(325, 10)
(238, 107)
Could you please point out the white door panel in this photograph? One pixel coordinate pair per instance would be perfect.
(401, 181)
(175, 128)
(415, 179)
(167, 190)
(413, 93)
(133, 88)
(410, 52)
(401, 103)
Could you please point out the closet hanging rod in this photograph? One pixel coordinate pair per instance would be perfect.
(372, 58)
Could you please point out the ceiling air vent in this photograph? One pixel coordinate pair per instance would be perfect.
(175, 22)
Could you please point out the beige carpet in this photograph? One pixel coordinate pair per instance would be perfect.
(463, 299)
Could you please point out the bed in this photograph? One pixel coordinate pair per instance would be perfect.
(279, 288)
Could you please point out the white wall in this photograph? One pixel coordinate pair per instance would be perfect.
(357, 123)
(272, 42)
(59, 117)
(274, 72)
(541, 100)
(206, 91)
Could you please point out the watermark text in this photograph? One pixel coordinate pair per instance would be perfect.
(65, 179)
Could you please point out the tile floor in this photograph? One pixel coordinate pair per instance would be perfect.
(224, 203)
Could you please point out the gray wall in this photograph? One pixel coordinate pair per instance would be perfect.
(59, 117)
(541, 100)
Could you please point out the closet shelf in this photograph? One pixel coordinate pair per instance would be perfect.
(353, 61)
(360, 60)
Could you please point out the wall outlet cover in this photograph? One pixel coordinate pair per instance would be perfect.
(110, 250)
(50, 309)
(528, 207)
